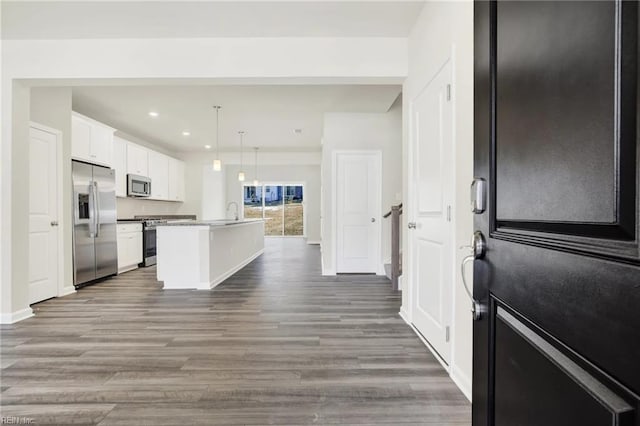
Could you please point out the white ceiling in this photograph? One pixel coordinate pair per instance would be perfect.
(269, 113)
(184, 19)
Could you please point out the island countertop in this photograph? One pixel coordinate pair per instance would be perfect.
(211, 223)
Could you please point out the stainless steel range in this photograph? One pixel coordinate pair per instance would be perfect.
(149, 234)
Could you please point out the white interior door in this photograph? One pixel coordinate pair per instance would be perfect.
(358, 212)
(43, 215)
(431, 240)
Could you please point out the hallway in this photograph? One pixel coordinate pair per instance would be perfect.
(277, 343)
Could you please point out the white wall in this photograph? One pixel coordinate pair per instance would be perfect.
(127, 208)
(309, 175)
(445, 29)
(14, 201)
(52, 107)
(362, 131)
(213, 194)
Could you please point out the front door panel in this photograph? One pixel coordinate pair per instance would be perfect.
(555, 137)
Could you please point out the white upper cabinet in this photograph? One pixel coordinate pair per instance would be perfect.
(80, 138)
(176, 180)
(120, 165)
(91, 141)
(137, 160)
(159, 175)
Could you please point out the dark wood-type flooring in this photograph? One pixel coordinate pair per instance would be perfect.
(277, 343)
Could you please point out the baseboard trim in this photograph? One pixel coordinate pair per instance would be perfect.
(461, 380)
(404, 315)
(128, 268)
(67, 291)
(223, 277)
(14, 317)
(446, 367)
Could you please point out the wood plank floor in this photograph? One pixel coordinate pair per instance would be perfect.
(277, 343)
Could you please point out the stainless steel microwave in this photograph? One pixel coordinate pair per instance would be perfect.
(138, 186)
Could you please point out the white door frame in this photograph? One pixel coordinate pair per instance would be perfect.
(334, 206)
(62, 291)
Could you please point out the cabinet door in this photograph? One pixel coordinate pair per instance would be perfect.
(159, 174)
(123, 251)
(80, 139)
(137, 160)
(176, 180)
(101, 150)
(120, 165)
(136, 248)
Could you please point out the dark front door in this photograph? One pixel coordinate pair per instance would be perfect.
(556, 107)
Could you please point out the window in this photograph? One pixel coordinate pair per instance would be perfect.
(281, 206)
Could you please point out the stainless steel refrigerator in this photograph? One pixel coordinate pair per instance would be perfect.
(95, 251)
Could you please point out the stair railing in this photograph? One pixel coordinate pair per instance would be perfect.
(396, 266)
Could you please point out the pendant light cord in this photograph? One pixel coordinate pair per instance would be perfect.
(256, 165)
(241, 138)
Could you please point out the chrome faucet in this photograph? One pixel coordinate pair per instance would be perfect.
(229, 206)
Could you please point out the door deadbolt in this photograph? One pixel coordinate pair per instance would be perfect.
(478, 195)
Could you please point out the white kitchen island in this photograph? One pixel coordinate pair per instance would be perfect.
(202, 254)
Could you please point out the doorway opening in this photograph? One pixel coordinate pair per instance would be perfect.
(281, 205)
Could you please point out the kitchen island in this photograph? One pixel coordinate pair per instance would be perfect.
(202, 254)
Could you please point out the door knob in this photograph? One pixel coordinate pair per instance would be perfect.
(411, 225)
(54, 223)
(373, 219)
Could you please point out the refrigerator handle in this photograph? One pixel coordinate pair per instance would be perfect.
(96, 205)
(92, 212)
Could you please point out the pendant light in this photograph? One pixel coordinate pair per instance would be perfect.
(256, 182)
(241, 173)
(217, 164)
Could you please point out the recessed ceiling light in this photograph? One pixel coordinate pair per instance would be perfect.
(207, 146)
(186, 133)
(153, 114)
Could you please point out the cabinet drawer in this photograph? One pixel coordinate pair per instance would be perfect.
(129, 227)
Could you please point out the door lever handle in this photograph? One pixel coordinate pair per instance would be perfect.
(476, 307)
(411, 225)
(478, 249)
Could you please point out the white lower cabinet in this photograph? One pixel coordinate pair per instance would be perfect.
(129, 246)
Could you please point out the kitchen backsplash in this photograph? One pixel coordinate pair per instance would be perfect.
(127, 208)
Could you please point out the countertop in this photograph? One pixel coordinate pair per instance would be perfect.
(211, 223)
